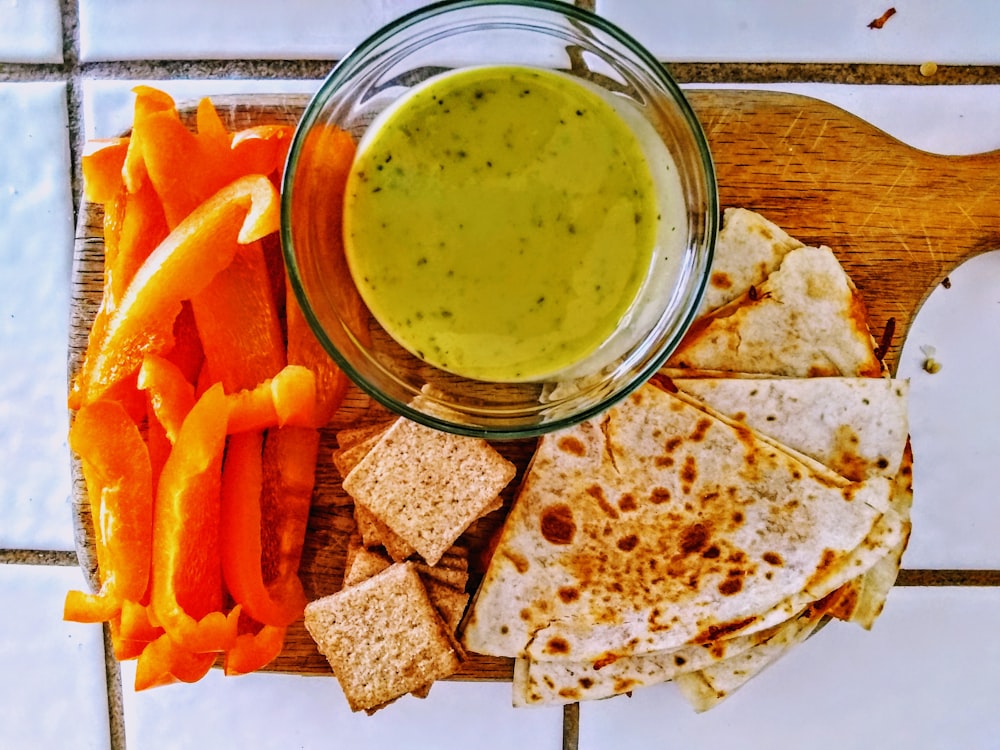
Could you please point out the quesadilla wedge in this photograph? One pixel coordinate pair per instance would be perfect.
(707, 687)
(804, 320)
(857, 427)
(747, 249)
(656, 525)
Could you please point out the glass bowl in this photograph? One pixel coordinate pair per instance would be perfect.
(450, 36)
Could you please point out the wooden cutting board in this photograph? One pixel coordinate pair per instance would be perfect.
(898, 219)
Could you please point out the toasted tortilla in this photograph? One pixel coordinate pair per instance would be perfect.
(657, 525)
(747, 250)
(804, 320)
(857, 427)
(707, 687)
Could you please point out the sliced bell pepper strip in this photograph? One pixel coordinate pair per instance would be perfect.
(238, 323)
(117, 471)
(180, 267)
(253, 651)
(305, 349)
(131, 631)
(186, 352)
(170, 394)
(102, 169)
(163, 662)
(289, 477)
(186, 587)
(242, 482)
(289, 398)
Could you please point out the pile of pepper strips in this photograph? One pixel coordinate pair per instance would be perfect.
(198, 401)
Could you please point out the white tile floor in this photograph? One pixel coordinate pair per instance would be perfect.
(924, 678)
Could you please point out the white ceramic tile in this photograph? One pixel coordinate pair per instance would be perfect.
(260, 29)
(52, 687)
(924, 677)
(959, 32)
(954, 416)
(36, 243)
(282, 711)
(30, 31)
(940, 119)
(108, 104)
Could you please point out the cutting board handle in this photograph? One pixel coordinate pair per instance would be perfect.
(900, 219)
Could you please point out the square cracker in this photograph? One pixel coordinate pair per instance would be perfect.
(428, 486)
(382, 637)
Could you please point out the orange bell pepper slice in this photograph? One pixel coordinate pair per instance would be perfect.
(242, 484)
(171, 395)
(102, 169)
(253, 651)
(289, 398)
(180, 267)
(118, 475)
(163, 662)
(305, 349)
(289, 477)
(238, 323)
(186, 588)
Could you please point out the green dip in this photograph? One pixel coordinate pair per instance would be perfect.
(500, 221)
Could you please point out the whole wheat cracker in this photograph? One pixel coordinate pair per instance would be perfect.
(383, 637)
(428, 486)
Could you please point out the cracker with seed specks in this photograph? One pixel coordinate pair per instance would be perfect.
(383, 638)
(428, 486)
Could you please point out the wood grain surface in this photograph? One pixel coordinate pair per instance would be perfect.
(898, 219)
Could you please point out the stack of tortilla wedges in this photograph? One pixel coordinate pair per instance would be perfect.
(695, 532)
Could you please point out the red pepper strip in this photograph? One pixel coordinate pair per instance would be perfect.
(163, 662)
(254, 650)
(289, 476)
(238, 323)
(117, 471)
(241, 535)
(186, 589)
(289, 398)
(181, 266)
(170, 394)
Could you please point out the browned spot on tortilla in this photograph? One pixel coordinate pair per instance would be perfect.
(711, 553)
(680, 661)
(732, 585)
(721, 280)
(689, 473)
(773, 558)
(571, 444)
(819, 371)
(628, 543)
(664, 462)
(663, 382)
(556, 645)
(700, 430)
(557, 524)
(673, 444)
(737, 517)
(586, 683)
(525, 614)
(846, 460)
(826, 564)
(597, 492)
(604, 660)
(519, 561)
(569, 693)
(623, 685)
(715, 632)
(693, 538)
(569, 594)
(627, 502)
(659, 495)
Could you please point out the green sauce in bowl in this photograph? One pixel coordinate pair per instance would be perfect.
(500, 222)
